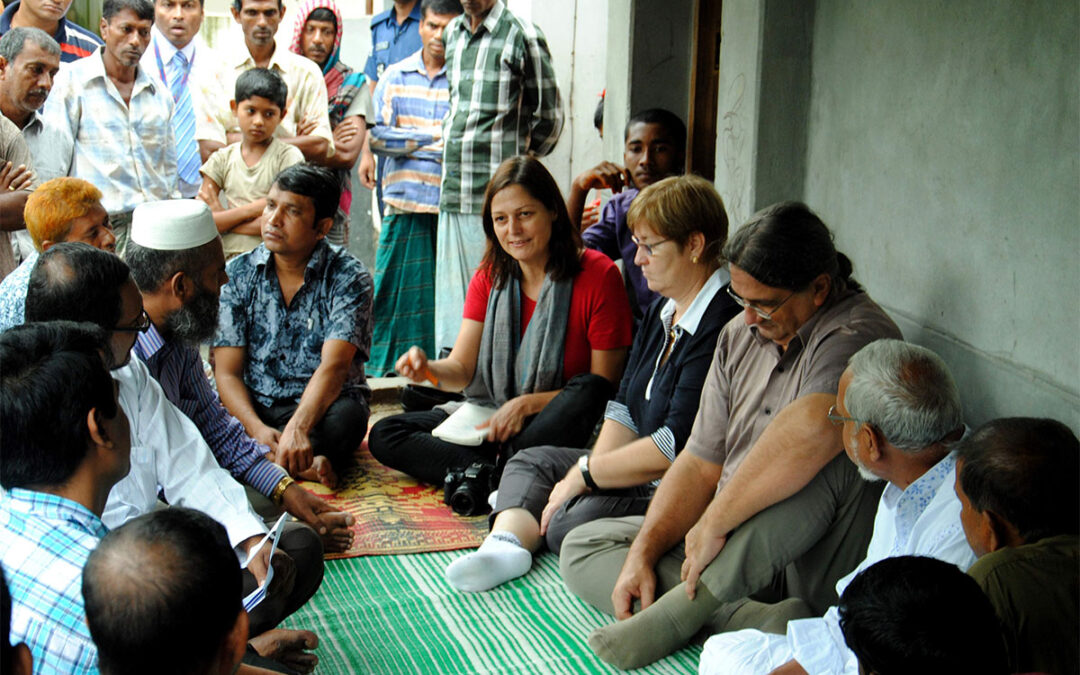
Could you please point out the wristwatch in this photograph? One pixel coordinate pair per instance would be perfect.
(583, 466)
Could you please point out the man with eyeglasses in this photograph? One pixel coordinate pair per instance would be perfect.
(77, 282)
(766, 503)
(899, 415)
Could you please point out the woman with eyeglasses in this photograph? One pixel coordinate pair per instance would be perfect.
(680, 226)
(542, 345)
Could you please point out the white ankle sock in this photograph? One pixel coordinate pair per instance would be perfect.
(499, 559)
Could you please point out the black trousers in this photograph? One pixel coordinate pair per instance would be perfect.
(337, 435)
(404, 442)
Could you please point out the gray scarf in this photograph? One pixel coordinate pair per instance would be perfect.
(508, 366)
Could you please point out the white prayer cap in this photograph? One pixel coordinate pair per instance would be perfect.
(173, 225)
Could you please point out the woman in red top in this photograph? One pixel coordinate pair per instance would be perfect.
(543, 341)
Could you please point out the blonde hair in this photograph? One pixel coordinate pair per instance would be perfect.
(678, 206)
(54, 204)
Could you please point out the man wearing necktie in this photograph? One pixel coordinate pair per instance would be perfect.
(179, 59)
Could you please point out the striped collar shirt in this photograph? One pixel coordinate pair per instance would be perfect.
(409, 112)
(204, 82)
(504, 101)
(127, 150)
(178, 369)
(47, 540)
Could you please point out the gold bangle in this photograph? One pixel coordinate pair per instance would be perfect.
(279, 490)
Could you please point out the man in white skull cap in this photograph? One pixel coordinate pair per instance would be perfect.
(176, 259)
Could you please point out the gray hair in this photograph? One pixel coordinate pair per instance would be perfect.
(905, 391)
(151, 267)
(13, 41)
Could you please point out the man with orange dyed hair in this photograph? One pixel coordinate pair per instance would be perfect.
(62, 209)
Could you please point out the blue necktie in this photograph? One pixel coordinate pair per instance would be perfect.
(187, 148)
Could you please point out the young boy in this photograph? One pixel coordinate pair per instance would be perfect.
(246, 170)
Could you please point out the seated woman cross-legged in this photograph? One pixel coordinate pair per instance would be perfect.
(543, 342)
(679, 225)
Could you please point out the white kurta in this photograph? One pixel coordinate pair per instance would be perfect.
(167, 450)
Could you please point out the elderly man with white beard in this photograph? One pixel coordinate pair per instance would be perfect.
(901, 415)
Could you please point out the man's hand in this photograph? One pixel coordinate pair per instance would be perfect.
(335, 527)
(288, 647)
(284, 566)
(268, 436)
(703, 544)
(294, 451)
(591, 215)
(15, 177)
(636, 580)
(365, 169)
(347, 130)
(572, 485)
(507, 420)
(307, 125)
(603, 175)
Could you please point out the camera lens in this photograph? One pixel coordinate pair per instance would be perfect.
(463, 501)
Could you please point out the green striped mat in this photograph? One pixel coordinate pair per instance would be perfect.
(396, 614)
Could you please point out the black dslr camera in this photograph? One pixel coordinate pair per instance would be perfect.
(466, 490)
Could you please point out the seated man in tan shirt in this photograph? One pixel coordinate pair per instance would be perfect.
(764, 497)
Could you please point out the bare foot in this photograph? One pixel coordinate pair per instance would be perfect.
(288, 647)
(322, 471)
(339, 535)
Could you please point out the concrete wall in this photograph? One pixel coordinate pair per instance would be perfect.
(942, 145)
(738, 112)
(650, 60)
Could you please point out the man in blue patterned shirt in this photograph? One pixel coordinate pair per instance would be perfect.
(295, 331)
(176, 259)
(66, 443)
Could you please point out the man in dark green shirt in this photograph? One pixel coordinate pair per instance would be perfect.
(1020, 508)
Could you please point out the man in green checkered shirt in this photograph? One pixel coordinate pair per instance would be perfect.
(504, 101)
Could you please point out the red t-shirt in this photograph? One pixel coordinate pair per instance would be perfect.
(599, 311)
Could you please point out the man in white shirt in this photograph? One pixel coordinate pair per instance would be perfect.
(259, 20)
(74, 281)
(189, 69)
(901, 413)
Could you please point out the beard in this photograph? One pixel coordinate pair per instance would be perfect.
(864, 473)
(195, 322)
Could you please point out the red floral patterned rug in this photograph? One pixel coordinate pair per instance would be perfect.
(395, 514)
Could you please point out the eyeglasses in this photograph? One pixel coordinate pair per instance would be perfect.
(757, 310)
(648, 248)
(142, 325)
(838, 419)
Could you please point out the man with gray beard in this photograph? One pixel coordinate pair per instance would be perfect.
(176, 259)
